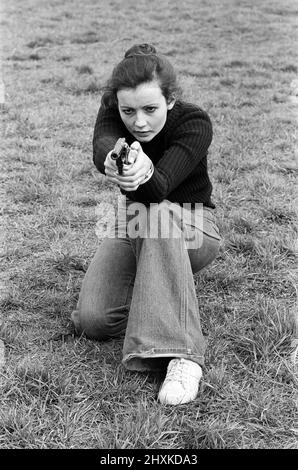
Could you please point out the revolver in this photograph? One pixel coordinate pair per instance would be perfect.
(120, 154)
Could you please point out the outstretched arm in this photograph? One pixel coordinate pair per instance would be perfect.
(108, 128)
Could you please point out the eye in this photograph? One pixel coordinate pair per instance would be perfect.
(127, 111)
(150, 109)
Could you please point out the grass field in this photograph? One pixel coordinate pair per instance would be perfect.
(236, 59)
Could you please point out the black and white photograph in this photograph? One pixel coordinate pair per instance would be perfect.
(149, 236)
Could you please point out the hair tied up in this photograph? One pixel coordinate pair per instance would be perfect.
(140, 50)
(141, 64)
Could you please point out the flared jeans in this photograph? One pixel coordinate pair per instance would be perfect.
(141, 287)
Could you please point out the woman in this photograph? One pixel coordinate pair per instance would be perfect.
(141, 286)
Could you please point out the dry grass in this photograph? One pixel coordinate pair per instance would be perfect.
(237, 60)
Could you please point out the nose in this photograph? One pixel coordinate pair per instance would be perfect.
(140, 121)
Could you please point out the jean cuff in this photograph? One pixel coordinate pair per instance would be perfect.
(157, 359)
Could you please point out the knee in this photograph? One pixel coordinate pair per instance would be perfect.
(92, 325)
(204, 256)
(101, 324)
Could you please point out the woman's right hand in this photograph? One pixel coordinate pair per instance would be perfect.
(133, 174)
(111, 170)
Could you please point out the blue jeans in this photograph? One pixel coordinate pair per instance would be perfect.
(142, 288)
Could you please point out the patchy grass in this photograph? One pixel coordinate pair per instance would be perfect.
(239, 62)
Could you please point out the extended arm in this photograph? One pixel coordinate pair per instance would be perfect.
(108, 128)
(189, 144)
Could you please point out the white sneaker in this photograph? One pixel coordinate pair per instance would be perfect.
(181, 383)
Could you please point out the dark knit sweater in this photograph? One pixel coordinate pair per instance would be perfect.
(178, 152)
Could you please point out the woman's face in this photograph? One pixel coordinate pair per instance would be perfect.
(143, 110)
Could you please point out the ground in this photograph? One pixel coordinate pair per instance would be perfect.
(238, 61)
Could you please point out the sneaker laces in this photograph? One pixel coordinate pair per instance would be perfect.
(180, 371)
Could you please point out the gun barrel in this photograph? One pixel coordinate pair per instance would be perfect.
(117, 151)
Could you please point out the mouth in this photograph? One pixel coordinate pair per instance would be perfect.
(142, 133)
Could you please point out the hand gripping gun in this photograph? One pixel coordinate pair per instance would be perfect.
(120, 154)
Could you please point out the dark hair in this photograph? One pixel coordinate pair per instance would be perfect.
(141, 64)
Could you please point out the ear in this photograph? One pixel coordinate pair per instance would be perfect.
(171, 102)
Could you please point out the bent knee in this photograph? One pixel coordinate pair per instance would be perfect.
(100, 326)
(89, 324)
(204, 256)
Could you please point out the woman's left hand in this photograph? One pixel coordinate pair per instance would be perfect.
(135, 174)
